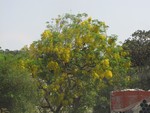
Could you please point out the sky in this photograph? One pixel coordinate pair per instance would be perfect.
(23, 21)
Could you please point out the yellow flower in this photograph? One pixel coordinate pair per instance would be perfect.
(116, 56)
(53, 65)
(105, 62)
(56, 50)
(103, 37)
(95, 75)
(108, 50)
(108, 74)
(47, 34)
(78, 41)
(66, 54)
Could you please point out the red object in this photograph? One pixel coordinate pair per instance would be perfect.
(126, 99)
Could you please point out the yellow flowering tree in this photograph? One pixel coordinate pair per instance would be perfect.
(72, 61)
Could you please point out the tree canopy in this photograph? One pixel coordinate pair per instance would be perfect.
(74, 60)
(139, 48)
(18, 90)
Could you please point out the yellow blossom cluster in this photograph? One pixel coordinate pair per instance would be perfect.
(108, 74)
(65, 56)
(100, 74)
(79, 42)
(116, 56)
(47, 34)
(105, 62)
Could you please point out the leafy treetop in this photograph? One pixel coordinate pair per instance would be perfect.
(73, 58)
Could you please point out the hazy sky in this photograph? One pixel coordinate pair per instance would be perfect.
(23, 21)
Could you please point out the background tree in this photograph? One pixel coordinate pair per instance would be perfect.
(73, 61)
(18, 91)
(139, 48)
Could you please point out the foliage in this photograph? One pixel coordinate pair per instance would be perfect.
(139, 48)
(18, 91)
(75, 59)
